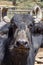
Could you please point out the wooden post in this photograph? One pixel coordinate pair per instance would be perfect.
(0, 14)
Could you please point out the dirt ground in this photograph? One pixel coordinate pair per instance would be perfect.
(39, 57)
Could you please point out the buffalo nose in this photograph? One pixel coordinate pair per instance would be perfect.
(23, 43)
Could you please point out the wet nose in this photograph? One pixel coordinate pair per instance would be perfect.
(23, 43)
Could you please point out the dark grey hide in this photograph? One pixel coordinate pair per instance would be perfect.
(26, 18)
(18, 47)
(4, 27)
(21, 46)
(37, 36)
(36, 29)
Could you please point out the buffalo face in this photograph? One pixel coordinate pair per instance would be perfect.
(20, 46)
(21, 41)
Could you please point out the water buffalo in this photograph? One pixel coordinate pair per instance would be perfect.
(22, 43)
(36, 12)
(18, 47)
(4, 27)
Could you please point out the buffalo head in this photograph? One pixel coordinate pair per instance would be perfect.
(19, 43)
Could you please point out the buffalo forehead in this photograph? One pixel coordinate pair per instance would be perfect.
(19, 18)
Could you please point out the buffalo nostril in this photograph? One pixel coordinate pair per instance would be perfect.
(18, 43)
(26, 43)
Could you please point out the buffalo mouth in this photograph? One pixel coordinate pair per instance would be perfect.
(21, 49)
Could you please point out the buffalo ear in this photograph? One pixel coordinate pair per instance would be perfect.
(37, 9)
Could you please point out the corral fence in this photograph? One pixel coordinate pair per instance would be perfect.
(12, 10)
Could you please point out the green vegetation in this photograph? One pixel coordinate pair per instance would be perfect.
(26, 3)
